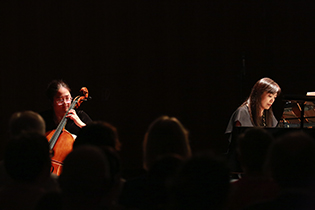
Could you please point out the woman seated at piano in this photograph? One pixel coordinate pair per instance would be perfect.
(256, 111)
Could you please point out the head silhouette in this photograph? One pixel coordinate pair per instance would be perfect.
(98, 133)
(292, 160)
(165, 136)
(201, 183)
(252, 149)
(27, 157)
(26, 121)
(85, 176)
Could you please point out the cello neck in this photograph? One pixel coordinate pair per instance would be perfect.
(61, 125)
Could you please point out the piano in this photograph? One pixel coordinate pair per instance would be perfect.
(298, 111)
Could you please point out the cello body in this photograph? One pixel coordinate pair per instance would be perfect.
(61, 149)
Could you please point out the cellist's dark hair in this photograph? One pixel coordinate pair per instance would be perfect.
(254, 100)
(53, 88)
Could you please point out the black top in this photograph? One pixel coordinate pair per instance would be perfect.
(48, 116)
(243, 116)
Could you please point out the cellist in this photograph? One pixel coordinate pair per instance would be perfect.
(63, 123)
(58, 93)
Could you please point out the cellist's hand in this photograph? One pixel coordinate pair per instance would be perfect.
(73, 116)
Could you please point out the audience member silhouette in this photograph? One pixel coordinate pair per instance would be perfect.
(202, 183)
(85, 178)
(291, 162)
(98, 133)
(111, 193)
(105, 136)
(162, 169)
(21, 123)
(84, 181)
(254, 185)
(27, 162)
(149, 192)
(116, 182)
(166, 136)
(26, 121)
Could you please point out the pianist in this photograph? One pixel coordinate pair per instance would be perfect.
(256, 111)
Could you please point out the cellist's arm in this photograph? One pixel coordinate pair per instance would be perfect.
(73, 116)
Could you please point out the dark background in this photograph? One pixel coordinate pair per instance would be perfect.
(195, 60)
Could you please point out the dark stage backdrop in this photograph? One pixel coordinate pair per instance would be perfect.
(194, 60)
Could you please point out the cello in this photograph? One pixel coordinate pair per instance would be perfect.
(61, 140)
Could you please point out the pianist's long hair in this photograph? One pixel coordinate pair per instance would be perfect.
(254, 100)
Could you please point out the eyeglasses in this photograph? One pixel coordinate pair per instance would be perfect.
(61, 101)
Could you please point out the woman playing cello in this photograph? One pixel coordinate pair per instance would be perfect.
(58, 93)
(62, 115)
